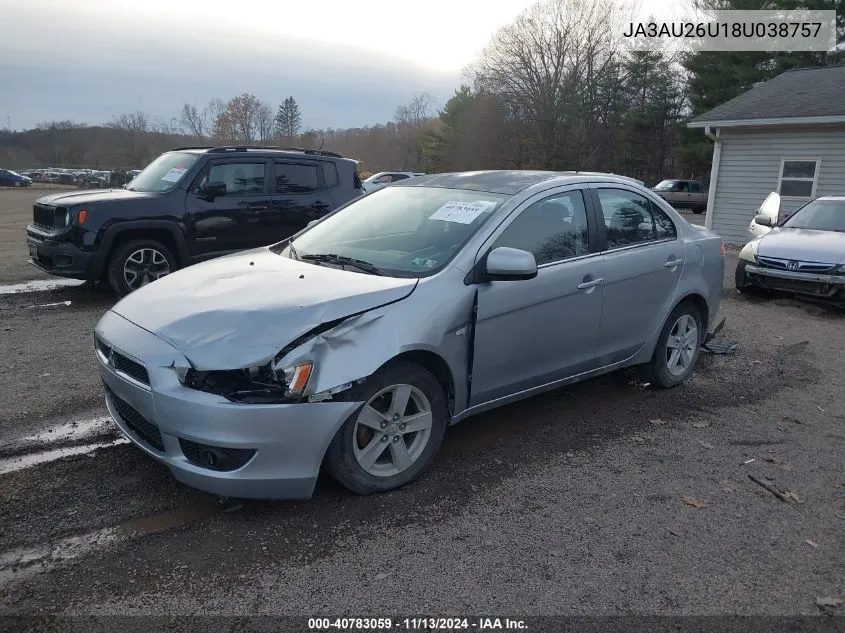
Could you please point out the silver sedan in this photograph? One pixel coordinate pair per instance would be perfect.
(355, 343)
(803, 253)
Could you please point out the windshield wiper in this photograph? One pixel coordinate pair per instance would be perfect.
(332, 258)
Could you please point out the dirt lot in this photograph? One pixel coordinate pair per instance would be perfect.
(606, 498)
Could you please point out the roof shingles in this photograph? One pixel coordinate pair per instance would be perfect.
(806, 92)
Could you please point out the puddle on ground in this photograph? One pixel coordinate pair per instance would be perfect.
(39, 285)
(22, 563)
(28, 460)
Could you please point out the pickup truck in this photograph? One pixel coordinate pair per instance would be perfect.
(683, 194)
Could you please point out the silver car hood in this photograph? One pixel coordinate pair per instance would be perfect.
(803, 244)
(239, 311)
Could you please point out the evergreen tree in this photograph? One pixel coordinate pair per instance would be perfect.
(288, 119)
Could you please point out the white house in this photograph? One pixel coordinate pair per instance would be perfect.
(785, 135)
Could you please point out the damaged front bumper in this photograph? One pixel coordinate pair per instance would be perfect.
(208, 442)
(810, 284)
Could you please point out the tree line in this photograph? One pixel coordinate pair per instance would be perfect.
(553, 89)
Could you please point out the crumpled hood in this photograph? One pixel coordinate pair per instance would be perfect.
(240, 310)
(803, 244)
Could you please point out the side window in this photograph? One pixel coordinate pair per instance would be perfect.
(553, 229)
(241, 179)
(329, 173)
(682, 186)
(295, 177)
(695, 187)
(399, 177)
(632, 219)
(384, 179)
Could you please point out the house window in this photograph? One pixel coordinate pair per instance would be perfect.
(798, 177)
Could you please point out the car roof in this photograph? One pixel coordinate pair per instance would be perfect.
(508, 182)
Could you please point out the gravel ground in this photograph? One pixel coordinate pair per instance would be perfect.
(581, 501)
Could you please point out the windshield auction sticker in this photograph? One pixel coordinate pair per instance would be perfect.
(778, 30)
(174, 174)
(461, 212)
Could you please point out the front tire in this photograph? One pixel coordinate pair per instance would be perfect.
(678, 347)
(394, 437)
(743, 286)
(136, 263)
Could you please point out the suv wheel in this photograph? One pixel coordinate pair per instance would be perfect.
(395, 436)
(136, 263)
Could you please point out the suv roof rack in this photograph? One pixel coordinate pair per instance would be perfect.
(244, 148)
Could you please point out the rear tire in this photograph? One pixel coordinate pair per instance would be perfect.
(136, 263)
(373, 451)
(678, 347)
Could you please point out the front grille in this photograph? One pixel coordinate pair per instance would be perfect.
(794, 265)
(105, 349)
(130, 367)
(137, 423)
(215, 457)
(44, 216)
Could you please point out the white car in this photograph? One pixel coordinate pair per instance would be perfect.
(384, 178)
(770, 209)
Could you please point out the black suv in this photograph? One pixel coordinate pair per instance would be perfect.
(188, 205)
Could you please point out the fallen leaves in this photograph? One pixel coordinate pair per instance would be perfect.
(694, 502)
(706, 444)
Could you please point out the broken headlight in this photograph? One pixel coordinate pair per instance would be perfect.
(253, 385)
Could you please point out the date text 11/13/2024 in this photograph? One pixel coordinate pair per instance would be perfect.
(417, 624)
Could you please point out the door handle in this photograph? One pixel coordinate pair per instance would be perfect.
(673, 263)
(584, 285)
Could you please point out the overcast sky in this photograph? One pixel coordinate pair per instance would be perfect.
(347, 63)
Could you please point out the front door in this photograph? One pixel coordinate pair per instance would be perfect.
(300, 194)
(532, 332)
(644, 261)
(231, 221)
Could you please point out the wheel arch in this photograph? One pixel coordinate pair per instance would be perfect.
(167, 233)
(436, 365)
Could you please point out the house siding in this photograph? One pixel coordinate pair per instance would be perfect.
(750, 167)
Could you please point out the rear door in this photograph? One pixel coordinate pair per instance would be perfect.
(299, 195)
(644, 260)
(230, 222)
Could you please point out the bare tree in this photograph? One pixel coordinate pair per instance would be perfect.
(241, 120)
(545, 63)
(135, 127)
(411, 121)
(265, 122)
(196, 122)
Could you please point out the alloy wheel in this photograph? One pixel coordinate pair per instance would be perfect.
(392, 430)
(681, 345)
(144, 266)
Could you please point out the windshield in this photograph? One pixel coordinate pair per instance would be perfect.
(403, 231)
(819, 215)
(164, 173)
(664, 185)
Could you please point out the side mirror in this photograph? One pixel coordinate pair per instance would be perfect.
(510, 264)
(764, 220)
(213, 190)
